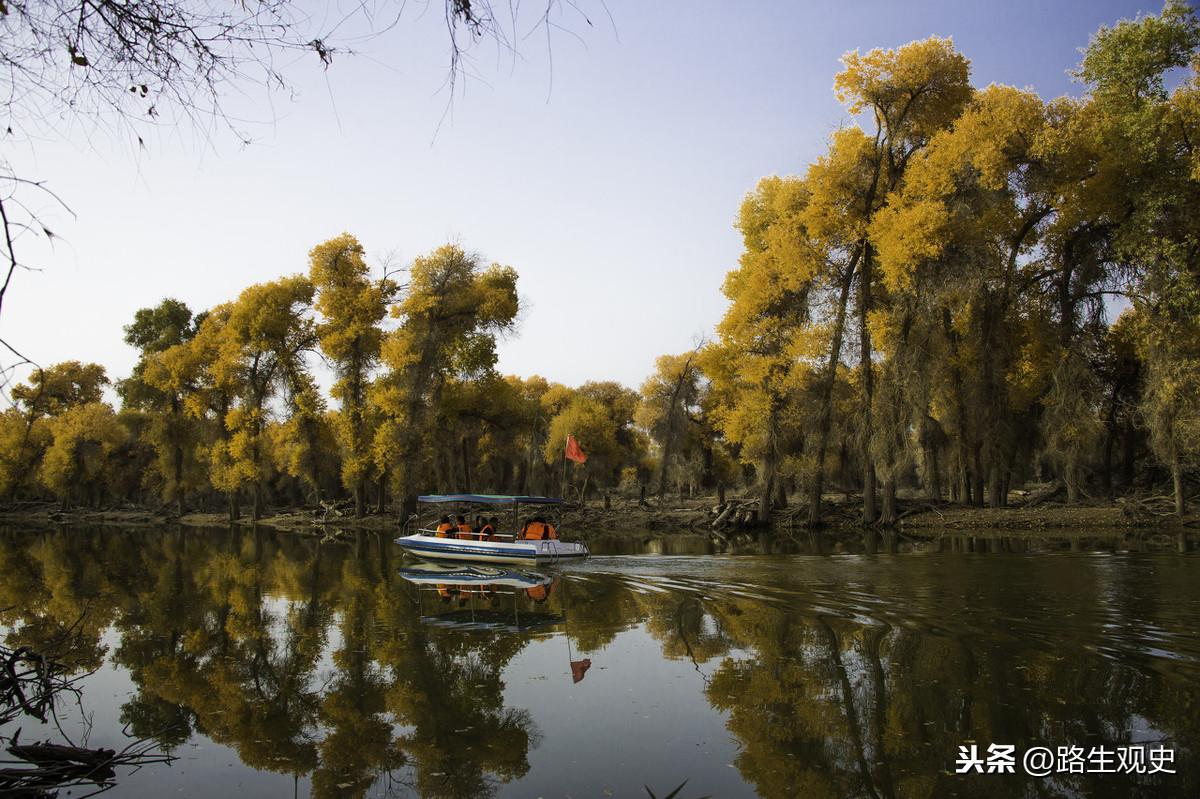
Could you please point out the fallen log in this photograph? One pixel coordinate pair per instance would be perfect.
(47, 754)
(1038, 497)
(724, 515)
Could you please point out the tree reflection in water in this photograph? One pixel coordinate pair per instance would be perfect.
(317, 660)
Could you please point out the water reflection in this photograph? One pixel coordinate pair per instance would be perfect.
(480, 597)
(357, 674)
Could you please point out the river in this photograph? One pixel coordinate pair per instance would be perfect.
(273, 664)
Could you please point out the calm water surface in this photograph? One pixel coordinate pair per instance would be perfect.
(274, 664)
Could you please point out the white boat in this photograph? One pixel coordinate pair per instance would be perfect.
(429, 546)
(498, 548)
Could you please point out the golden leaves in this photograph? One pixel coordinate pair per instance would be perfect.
(913, 91)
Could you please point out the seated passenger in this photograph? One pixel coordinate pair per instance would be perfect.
(465, 531)
(487, 530)
(538, 529)
(444, 527)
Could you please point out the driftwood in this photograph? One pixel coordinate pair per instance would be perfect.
(723, 516)
(1144, 507)
(1038, 497)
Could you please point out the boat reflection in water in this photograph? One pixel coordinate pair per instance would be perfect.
(482, 597)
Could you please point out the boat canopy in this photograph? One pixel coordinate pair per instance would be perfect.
(491, 499)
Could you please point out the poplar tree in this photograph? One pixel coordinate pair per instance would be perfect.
(352, 306)
(449, 318)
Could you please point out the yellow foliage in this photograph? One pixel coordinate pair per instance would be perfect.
(921, 86)
(905, 236)
(83, 440)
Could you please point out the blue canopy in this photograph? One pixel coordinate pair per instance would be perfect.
(490, 499)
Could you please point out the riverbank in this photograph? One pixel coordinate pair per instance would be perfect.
(692, 516)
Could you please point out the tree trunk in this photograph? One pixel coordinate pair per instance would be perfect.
(768, 486)
(360, 498)
(381, 499)
(869, 512)
(1071, 478)
(977, 474)
(407, 502)
(888, 517)
(235, 507)
(521, 481)
(256, 505)
(1128, 453)
(933, 473)
(996, 489)
(466, 464)
(1177, 478)
(825, 420)
(868, 383)
(177, 478)
(1110, 439)
(506, 475)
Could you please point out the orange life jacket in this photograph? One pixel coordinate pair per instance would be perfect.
(466, 531)
(444, 528)
(486, 532)
(538, 593)
(536, 531)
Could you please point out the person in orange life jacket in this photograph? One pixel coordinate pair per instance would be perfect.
(464, 530)
(487, 530)
(444, 527)
(538, 529)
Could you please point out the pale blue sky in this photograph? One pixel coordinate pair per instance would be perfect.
(611, 190)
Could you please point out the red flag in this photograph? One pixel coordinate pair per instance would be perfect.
(574, 452)
(579, 668)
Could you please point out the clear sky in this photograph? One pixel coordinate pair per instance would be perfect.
(609, 179)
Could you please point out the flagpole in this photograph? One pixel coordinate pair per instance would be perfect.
(564, 475)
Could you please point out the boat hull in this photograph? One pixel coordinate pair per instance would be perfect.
(454, 549)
